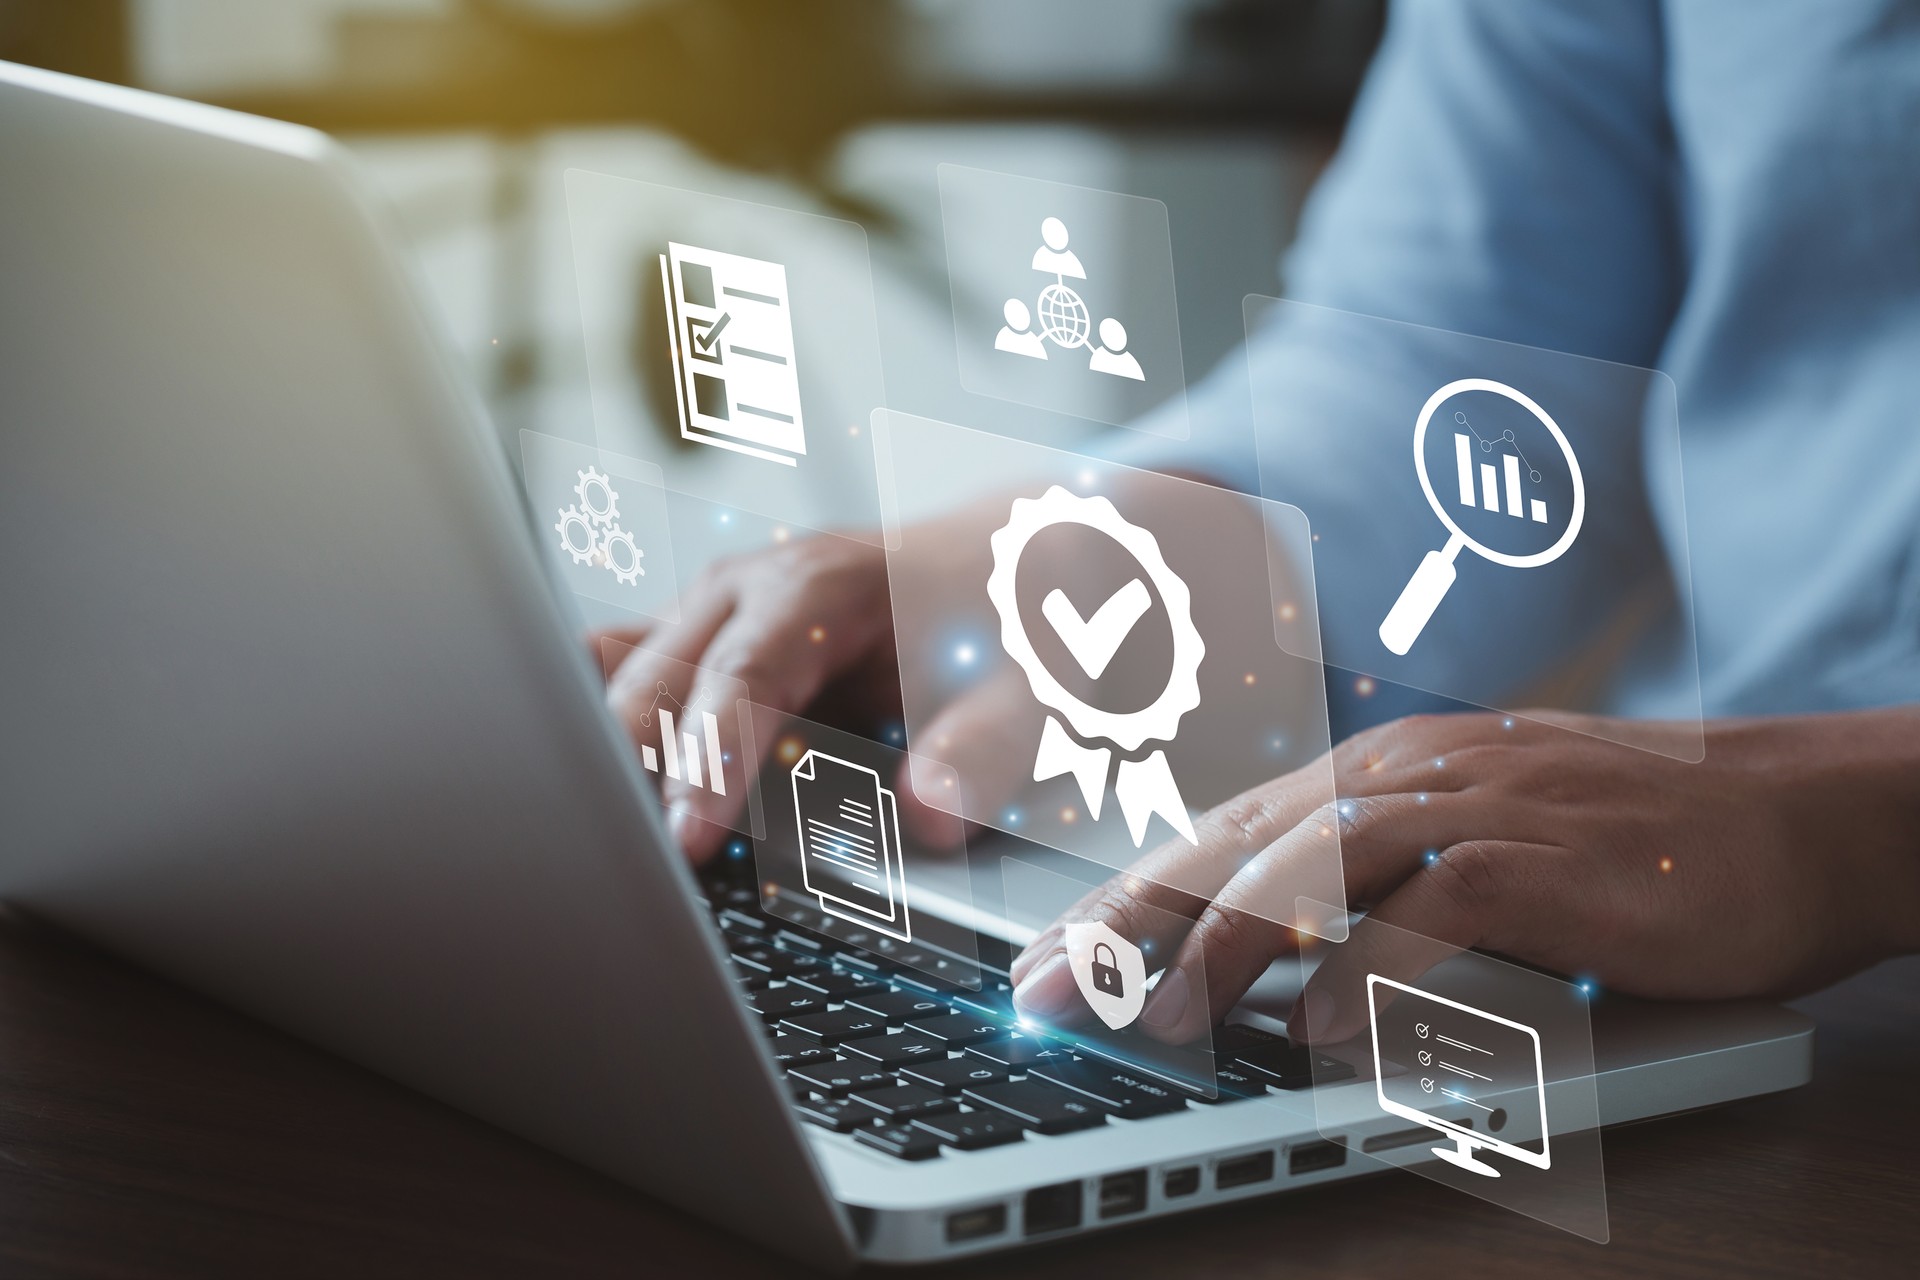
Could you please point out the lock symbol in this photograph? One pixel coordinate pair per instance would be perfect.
(1106, 975)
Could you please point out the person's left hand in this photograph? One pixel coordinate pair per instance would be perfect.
(1783, 861)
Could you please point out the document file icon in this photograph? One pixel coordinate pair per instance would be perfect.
(729, 322)
(849, 831)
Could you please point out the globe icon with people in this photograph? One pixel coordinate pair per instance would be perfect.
(1063, 317)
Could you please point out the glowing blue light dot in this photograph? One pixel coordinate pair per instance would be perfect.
(964, 654)
(1439, 762)
(1421, 798)
(1507, 723)
(1431, 856)
(1012, 817)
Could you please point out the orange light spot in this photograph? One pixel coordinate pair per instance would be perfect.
(1288, 613)
(1666, 866)
(1069, 814)
(817, 634)
(1364, 686)
(791, 749)
(781, 533)
(1249, 678)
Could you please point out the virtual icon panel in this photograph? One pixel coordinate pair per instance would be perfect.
(745, 329)
(1079, 646)
(1533, 556)
(1063, 298)
(605, 523)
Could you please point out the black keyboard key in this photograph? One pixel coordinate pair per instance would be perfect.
(775, 1003)
(1043, 1108)
(1131, 1095)
(971, 1130)
(995, 999)
(751, 979)
(958, 1029)
(1230, 1039)
(837, 1027)
(903, 1102)
(794, 1051)
(839, 1116)
(1280, 1064)
(837, 1079)
(897, 1006)
(833, 985)
(898, 1050)
(774, 962)
(1235, 1083)
(902, 1140)
(741, 923)
(951, 1075)
(1020, 1052)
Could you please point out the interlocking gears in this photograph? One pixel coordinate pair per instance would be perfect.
(578, 537)
(618, 553)
(590, 531)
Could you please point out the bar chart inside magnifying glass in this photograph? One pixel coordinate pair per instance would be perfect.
(1493, 474)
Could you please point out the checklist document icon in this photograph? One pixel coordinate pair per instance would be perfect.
(731, 330)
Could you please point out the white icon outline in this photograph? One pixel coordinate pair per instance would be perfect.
(1428, 586)
(1143, 787)
(883, 816)
(1465, 1139)
(711, 377)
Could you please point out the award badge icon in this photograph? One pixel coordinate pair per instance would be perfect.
(1143, 787)
(1110, 971)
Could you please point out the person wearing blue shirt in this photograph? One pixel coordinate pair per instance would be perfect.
(1725, 190)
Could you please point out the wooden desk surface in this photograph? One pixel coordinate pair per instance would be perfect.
(147, 1132)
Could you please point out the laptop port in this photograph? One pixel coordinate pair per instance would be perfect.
(1053, 1208)
(1315, 1156)
(1123, 1193)
(976, 1224)
(1243, 1171)
(1183, 1181)
(1395, 1140)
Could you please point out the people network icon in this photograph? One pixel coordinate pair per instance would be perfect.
(1063, 318)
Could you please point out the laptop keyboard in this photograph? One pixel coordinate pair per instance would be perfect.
(872, 1051)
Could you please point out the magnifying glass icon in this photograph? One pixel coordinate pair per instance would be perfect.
(1430, 582)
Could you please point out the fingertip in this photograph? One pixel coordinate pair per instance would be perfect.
(1313, 1017)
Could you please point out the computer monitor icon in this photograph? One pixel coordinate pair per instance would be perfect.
(1473, 1065)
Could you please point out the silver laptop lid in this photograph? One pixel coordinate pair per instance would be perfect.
(291, 715)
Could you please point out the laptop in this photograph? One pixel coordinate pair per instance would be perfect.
(295, 717)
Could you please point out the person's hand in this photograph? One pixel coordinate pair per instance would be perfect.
(786, 622)
(1786, 859)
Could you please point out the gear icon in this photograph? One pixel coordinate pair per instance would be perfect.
(598, 501)
(581, 545)
(619, 553)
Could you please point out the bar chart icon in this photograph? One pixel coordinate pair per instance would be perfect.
(680, 750)
(1498, 483)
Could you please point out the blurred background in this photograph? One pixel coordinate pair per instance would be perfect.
(467, 112)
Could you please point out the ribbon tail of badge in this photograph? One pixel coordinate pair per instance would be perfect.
(1059, 754)
(1146, 787)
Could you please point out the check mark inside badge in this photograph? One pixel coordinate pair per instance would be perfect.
(1093, 641)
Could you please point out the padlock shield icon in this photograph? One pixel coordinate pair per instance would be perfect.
(1110, 971)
